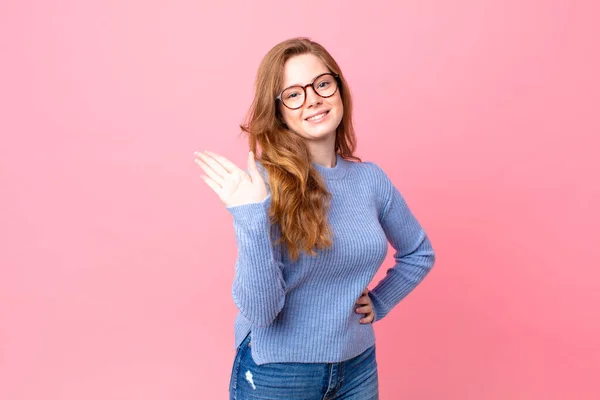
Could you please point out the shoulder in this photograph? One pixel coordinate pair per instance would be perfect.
(371, 166)
(373, 172)
(379, 183)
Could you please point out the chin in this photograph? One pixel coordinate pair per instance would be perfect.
(320, 131)
(318, 134)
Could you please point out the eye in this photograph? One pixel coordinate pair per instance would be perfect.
(323, 84)
(292, 95)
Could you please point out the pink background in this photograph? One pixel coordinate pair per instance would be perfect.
(116, 260)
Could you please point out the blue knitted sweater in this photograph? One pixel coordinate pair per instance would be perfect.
(303, 311)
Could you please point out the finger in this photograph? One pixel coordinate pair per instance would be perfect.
(214, 164)
(364, 310)
(225, 163)
(252, 168)
(363, 300)
(209, 171)
(213, 185)
(368, 319)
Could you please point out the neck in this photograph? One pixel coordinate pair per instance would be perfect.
(323, 153)
(338, 171)
(326, 160)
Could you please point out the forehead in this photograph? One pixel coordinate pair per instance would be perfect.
(302, 69)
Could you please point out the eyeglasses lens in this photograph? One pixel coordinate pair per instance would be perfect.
(325, 86)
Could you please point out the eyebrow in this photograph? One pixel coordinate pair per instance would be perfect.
(312, 80)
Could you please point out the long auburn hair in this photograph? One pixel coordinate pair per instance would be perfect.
(299, 198)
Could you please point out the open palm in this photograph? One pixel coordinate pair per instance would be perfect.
(233, 185)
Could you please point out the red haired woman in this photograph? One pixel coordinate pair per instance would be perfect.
(312, 224)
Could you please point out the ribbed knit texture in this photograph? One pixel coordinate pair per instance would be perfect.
(303, 311)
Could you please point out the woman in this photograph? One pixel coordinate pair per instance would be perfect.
(312, 225)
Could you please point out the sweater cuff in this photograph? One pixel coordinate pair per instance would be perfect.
(252, 215)
(378, 308)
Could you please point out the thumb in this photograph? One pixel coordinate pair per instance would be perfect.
(252, 168)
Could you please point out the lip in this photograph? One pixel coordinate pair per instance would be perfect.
(317, 113)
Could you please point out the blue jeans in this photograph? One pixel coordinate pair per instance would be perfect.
(355, 378)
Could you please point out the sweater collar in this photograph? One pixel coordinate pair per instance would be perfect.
(337, 172)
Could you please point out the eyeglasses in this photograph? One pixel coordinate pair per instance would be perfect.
(293, 97)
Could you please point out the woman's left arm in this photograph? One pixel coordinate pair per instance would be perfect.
(414, 255)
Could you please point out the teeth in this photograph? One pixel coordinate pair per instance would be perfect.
(316, 117)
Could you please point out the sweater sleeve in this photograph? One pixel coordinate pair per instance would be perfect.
(258, 288)
(414, 256)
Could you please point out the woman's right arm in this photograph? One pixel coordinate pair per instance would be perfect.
(258, 285)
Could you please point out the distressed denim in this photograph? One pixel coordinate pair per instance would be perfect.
(354, 379)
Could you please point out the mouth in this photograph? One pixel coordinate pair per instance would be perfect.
(318, 117)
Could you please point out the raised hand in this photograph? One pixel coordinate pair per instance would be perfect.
(232, 184)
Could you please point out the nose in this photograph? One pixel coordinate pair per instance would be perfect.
(312, 98)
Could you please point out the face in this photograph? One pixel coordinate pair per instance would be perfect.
(318, 118)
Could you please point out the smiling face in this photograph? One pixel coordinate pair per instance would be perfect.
(319, 117)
